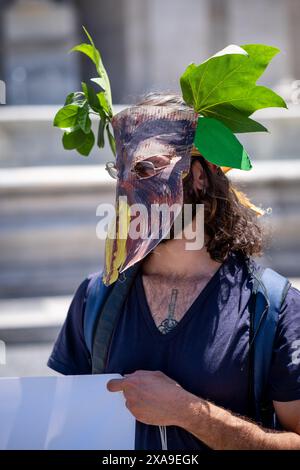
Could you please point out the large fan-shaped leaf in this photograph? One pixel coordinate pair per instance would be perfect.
(228, 81)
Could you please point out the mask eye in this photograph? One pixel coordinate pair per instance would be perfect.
(144, 169)
(150, 167)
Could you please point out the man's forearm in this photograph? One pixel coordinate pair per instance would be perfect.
(220, 429)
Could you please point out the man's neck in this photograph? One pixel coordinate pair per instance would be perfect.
(171, 259)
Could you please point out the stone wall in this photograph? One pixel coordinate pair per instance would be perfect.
(28, 138)
(48, 240)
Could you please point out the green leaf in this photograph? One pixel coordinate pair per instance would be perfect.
(101, 129)
(100, 82)
(89, 51)
(69, 99)
(228, 80)
(102, 96)
(199, 83)
(72, 140)
(111, 139)
(83, 119)
(87, 145)
(261, 55)
(91, 97)
(219, 145)
(101, 70)
(259, 97)
(89, 37)
(66, 117)
(75, 98)
(104, 104)
(235, 120)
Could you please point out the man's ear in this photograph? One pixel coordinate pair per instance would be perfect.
(199, 177)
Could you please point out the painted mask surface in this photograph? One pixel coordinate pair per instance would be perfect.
(153, 154)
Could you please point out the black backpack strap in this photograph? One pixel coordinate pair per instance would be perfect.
(270, 289)
(108, 316)
(96, 296)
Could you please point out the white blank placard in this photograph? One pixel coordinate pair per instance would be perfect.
(64, 412)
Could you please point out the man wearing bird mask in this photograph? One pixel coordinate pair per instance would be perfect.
(204, 337)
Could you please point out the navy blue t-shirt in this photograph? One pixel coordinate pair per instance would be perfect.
(206, 353)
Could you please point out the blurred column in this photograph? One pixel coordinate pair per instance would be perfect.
(1, 41)
(293, 7)
(139, 59)
(105, 21)
(3, 5)
(163, 37)
(218, 18)
(262, 21)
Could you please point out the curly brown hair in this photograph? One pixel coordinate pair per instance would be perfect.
(230, 225)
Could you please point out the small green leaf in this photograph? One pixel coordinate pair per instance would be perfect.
(219, 145)
(103, 103)
(77, 98)
(84, 89)
(89, 51)
(72, 140)
(91, 97)
(88, 144)
(69, 99)
(83, 120)
(101, 129)
(100, 82)
(66, 117)
(187, 84)
(89, 36)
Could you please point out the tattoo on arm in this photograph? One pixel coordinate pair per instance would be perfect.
(169, 323)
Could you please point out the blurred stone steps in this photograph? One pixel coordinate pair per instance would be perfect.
(48, 241)
(32, 320)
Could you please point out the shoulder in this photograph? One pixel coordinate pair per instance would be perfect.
(289, 314)
(70, 354)
(291, 303)
(292, 296)
(90, 281)
(284, 376)
(89, 292)
(85, 288)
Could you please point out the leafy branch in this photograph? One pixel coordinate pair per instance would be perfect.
(74, 116)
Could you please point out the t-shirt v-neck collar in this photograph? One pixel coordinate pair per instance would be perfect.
(194, 307)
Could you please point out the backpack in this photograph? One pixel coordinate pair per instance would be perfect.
(104, 305)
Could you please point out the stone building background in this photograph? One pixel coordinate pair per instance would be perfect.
(146, 44)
